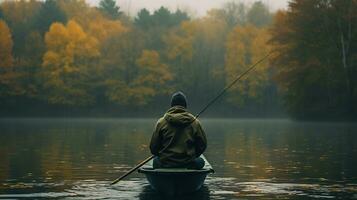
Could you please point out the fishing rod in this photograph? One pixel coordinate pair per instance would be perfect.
(203, 110)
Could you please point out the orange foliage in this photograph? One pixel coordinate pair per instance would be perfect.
(6, 59)
(245, 46)
(67, 62)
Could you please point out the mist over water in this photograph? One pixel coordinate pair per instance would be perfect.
(98, 60)
(253, 159)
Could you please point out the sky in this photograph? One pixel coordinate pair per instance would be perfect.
(195, 7)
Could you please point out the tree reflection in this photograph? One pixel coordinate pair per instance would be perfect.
(149, 194)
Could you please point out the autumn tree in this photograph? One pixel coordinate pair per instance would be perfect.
(109, 34)
(67, 52)
(28, 45)
(245, 46)
(105, 29)
(79, 11)
(151, 80)
(68, 64)
(196, 53)
(33, 45)
(8, 75)
(6, 59)
(20, 17)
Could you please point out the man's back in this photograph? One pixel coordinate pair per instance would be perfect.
(178, 138)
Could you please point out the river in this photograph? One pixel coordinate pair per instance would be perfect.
(253, 159)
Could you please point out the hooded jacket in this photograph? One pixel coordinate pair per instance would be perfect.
(178, 138)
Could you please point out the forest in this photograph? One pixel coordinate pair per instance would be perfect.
(68, 58)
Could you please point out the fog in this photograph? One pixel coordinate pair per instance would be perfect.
(103, 58)
(196, 7)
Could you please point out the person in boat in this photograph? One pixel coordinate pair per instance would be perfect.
(178, 139)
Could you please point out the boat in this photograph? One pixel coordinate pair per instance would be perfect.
(176, 181)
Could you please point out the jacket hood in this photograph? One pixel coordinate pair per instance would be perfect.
(178, 116)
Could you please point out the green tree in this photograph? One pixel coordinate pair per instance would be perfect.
(157, 25)
(49, 13)
(162, 17)
(143, 19)
(179, 16)
(110, 9)
(314, 54)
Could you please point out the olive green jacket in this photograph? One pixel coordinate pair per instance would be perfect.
(178, 138)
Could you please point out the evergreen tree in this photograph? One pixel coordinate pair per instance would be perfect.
(162, 17)
(110, 9)
(179, 16)
(49, 13)
(143, 20)
(314, 57)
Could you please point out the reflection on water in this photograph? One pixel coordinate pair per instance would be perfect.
(215, 188)
(253, 159)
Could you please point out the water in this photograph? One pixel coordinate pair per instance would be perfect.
(253, 159)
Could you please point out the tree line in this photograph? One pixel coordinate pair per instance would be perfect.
(315, 45)
(68, 55)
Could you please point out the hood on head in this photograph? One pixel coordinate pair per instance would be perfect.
(178, 116)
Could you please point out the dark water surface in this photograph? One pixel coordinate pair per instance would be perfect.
(253, 159)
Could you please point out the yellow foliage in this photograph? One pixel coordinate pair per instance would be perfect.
(70, 43)
(180, 42)
(57, 37)
(8, 75)
(151, 80)
(79, 11)
(20, 11)
(212, 29)
(245, 46)
(152, 72)
(103, 29)
(6, 43)
(67, 62)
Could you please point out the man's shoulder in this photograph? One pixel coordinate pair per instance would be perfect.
(196, 122)
(160, 121)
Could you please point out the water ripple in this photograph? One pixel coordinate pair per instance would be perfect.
(215, 188)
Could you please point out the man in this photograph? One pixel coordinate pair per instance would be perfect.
(178, 139)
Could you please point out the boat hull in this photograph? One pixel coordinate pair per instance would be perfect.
(176, 181)
(176, 184)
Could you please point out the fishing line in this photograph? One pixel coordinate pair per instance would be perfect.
(204, 109)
